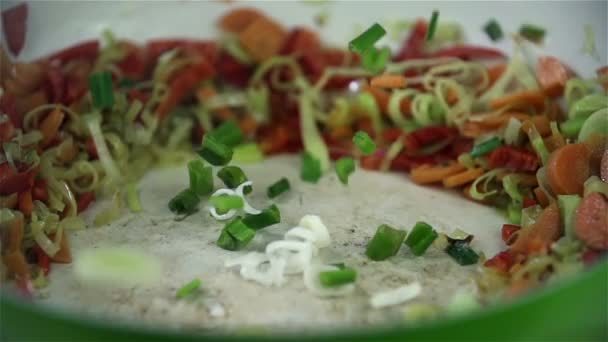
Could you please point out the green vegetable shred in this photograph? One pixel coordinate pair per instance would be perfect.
(532, 32)
(188, 289)
(485, 147)
(184, 203)
(233, 176)
(365, 144)
(385, 243)
(279, 187)
(432, 26)
(311, 168)
(493, 30)
(229, 134)
(421, 237)
(100, 85)
(339, 277)
(201, 177)
(267, 217)
(344, 167)
(224, 203)
(367, 39)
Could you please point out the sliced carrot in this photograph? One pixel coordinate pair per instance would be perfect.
(50, 125)
(389, 81)
(539, 236)
(462, 178)
(26, 205)
(552, 75)
(426, 174)
(541, 197)
(568, 169)
(521, 100)
(494, 73)
(591, 221)
(238, 19)
(263, 38)
(64, 255)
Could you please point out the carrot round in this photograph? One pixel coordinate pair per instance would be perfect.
(541, 234)
(520, 99)
(462, 178)
(389, 81)
(426, 174)
(238, 19)
(591, 221)
(568, 169)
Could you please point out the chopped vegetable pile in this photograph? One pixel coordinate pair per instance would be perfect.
(522, 134)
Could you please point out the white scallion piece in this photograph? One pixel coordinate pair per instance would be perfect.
(395, 296)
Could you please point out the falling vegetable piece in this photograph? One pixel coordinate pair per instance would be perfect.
(365, 144)
(344, 275)
(248, 153)
(100, 85)
(367, 39)
(233, 176)
(133, 201)
(532, 32)
(493, 30)
(240, 231)
(385, 243)
(389, 81)
(229, 134)
(462, 253)
(215, 152)
(568, 169)
(344, 167)
(279, 187)
(421, 237)
(568, 205)
(201, 177)
(374, 60)
(485, 147)
(225, 203)
(311, 168)
(188, 289)
(184, 203)
(432, 26)
(267, 217)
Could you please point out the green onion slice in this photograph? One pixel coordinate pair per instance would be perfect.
(344, 167)
(188, 289)
(367, 39)
(215, 152)
(493, 30)
(267, 217)
(311, 168)
(385, 243)
(100, 85)
(184, 203)
(233, 176)
(279, 187)
(462, 253)
(201, 177)
(229, 134)
(432, 26)
(532, 32)
(338, 277)
(365, 144)
(225, 203)
(421, 237)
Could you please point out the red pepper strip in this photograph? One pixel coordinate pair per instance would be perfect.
(135, 62)
(514, 158)
(459, 146)
(501, 262)
(299, 40)
(11, 181)
(40, 190)
(232, 71)
(44, 261)
(469, 52)
(7, 106)
(88, 50)
(507, 232)
(427, 135)
(14, 23)
(203, 48)
(182, 84)
(414, 45)
(84, 200)
(529, 202)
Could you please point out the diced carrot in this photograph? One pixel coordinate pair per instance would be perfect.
(426, 174)
(263, 38)
(462, 178)
(239, 19)
(568, 169)
(541, 197)
(64, 255)
(541, 234)
(520, 100)
(389, 81)
(591, 221)
(50, 125)
(494, 73)
(26, 205)
(552, 75)
(473, 130)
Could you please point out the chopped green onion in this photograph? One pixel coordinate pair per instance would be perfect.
(385, 243)
(421, 237)
(267, 217)
(367, 39)
(100, 85)
(374, 60)
(538, 144)
(532, 32)
(248, 153)
(233, 176)
(344, 167)
(432, 26)
(279, 187)
(567, 207)
(462, 253)
(485, 147)
(588, 105)
(493, 30)
(133, 198)
(226, 241)
(240, 231)
(365, 144)
(311, 168)
(224, 203)
(215, 152)
(571, 128)
(201, 177)
(339, 277)
(188, 289)
(228, 133)
(185, 202)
